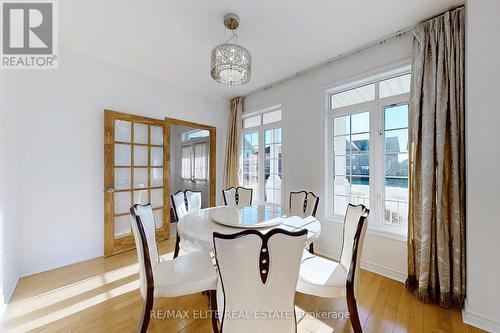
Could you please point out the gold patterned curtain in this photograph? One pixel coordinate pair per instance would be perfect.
(436, 221)
(233, 148)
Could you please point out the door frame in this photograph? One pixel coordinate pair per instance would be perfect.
(213, 161)
(111, 245)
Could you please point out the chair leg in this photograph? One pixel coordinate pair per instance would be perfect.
(146, 315)
(311, 248)
(177, 241)
(353, 313)
(213, 310)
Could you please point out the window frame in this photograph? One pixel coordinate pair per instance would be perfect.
(377, 149)
(261, 129)
(192, 144)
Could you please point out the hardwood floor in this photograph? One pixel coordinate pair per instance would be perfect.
(101, 295)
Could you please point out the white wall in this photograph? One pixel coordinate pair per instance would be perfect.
(483, 163)
(8, 197)
(303, 103)
(59, 157)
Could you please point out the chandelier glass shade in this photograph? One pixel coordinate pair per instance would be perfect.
(230, 63)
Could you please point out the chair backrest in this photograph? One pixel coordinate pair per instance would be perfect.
(237, 196)
(179, 204)
(229, 196)
(355, 224)
(303, 203)
(193, 200)
(258, 275)
(244, 196)
(143, 228)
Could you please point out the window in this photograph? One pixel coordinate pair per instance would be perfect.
(368, 161)
(194, 156)
(262, 156)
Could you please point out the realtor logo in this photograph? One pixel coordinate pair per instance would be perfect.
(29, 34)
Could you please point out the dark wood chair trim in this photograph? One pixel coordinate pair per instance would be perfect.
(351, 299)
(177, 236)
(311, 246)
(185, 197)
(148, 305)
(224, 194)
(265, 238)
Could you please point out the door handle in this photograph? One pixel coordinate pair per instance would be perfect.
(110, 190)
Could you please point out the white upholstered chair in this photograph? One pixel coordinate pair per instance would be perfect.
(304, 203)
(325, 278)
(237, 196)
(184, 203)
(257, 276)
(189, 274)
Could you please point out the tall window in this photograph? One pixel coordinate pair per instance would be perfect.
(262, 156)
(369, 151)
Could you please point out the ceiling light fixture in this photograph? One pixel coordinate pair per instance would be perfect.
(231, 63)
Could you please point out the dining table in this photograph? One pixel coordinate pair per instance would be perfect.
(198, 227)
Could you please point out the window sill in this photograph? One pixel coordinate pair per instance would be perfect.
(373, 230)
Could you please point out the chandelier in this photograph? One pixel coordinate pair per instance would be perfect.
(231, 63)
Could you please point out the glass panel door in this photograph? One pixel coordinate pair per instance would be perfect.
(134, 169)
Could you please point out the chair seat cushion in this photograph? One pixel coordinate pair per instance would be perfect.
(188, 274)
(188, 246)
(321, 277)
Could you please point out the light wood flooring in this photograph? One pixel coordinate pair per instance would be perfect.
(101, 295)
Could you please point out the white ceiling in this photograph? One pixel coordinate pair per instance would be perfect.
(172, 40)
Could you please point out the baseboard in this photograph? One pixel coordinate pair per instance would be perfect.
(8, 291)
(58, 263)
(480, 321)
(369, 266)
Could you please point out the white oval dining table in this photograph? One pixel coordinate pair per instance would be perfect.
(198, 227)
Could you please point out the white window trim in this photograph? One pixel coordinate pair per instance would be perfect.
(261, 129)
(377, 191)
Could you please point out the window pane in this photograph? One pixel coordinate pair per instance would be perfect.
(342, 125)
(396, 117)
(360, 165)
(341, 145)
(354, 96)
(271, 117)
(251, 162)
(395, 86)
(360, 123)
(342, 165)
(396, 141)
(360, 143)
(251, 121)
(396, 165)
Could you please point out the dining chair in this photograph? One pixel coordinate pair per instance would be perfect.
(188, 274)
(185, 202)
(257, 276)
(325, 278)
(304, 203)
(237, 196)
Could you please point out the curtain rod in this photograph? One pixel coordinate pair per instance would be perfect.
(360, 49)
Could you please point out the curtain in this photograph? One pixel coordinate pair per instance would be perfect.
(201, 161)
(436, 221)
(186, 154)
(233, 148)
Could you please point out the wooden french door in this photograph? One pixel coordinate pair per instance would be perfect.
(134, 172)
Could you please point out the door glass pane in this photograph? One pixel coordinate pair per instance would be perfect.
(140, 177)
(156, 177)
(156, 156)
(396, 165)
(156, 135)
(122, 226)
(141, 197)
(272, 166)
(140, 133)
(123, 178)
(122, 130)
(122, 202)
(122, 155)
(140, 156)
(351, 168)
(157, 198)
(251, 163)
